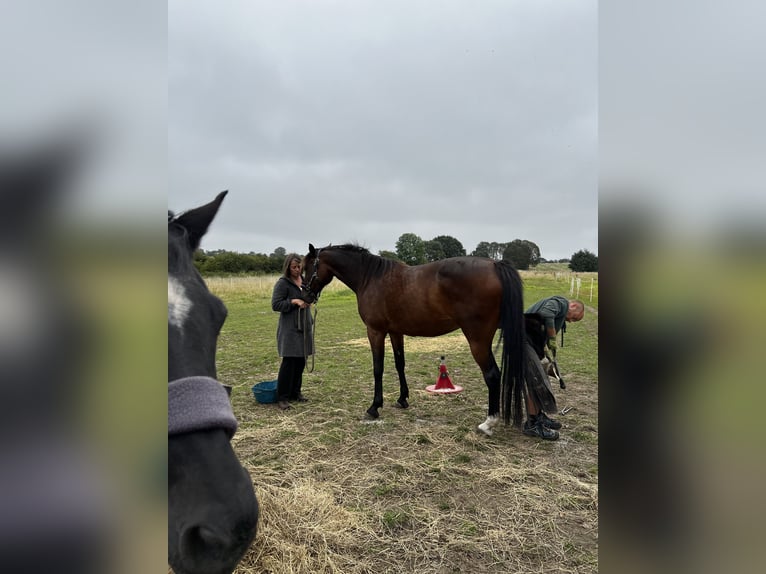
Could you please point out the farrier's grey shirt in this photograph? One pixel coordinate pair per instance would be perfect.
(553, 310)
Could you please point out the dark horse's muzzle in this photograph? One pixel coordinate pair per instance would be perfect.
(212, 508)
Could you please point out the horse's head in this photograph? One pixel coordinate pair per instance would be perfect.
(195, 315)
(315, 274)
(212, 509)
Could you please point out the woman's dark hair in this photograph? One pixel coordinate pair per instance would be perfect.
(289, 258)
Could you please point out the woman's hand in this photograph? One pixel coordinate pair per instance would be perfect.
(300, 303)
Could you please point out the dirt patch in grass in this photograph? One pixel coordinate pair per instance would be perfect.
(436, 345)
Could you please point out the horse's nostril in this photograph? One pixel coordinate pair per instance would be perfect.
(202, 544)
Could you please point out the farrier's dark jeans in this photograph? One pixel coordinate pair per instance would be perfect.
(290, 378)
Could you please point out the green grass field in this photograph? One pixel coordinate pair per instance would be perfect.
(417, 490)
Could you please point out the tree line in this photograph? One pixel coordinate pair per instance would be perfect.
(221, 262)
(410, 249)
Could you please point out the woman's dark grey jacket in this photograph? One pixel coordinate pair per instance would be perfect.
(294, 332)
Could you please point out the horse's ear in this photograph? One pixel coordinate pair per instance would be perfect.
(196, 221)
(312, 250)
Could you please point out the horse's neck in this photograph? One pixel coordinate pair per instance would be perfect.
(349, 269)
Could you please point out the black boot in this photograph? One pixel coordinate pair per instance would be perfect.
(535, 427)
(550, 423)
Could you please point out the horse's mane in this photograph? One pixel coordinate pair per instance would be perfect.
(374, 265)
(350, 247)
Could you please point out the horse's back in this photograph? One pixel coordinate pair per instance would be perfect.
(432, 299)
(467, 280)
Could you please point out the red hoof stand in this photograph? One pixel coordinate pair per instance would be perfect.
(443, 383)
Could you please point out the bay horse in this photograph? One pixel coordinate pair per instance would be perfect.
(473, 294)
(212, 508)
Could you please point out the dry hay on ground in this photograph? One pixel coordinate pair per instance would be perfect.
(412, 494)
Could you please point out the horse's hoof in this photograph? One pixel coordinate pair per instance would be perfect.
(484, 429)
(402, 405)
(488, 426)
(371, 415)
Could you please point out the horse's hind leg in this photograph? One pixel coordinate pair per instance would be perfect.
(377, 345)
(397, 343)
(482, 354)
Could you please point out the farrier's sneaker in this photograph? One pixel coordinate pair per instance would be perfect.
(535, 427)
(550, 423)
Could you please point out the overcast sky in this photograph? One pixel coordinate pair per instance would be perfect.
(341, 121)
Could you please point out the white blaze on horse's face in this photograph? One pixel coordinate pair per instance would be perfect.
(179, 305)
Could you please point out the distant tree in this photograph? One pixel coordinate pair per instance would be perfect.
(482, 249)
(490, 249)
(279, 253)
(496, 250)
(199, 256)
(451, 246)
(410, 249)
(534, 258)
(583, 261)
(388, 255)
(519, 253)
(222, 262)
(277, 259)
(433, 250)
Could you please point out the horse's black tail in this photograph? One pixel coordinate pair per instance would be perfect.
(512, 332)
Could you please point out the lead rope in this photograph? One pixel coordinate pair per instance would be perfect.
(313, 338)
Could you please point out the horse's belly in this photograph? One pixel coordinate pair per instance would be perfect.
(432, 328)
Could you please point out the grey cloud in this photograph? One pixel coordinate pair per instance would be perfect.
(367, 118)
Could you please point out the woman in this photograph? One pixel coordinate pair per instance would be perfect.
(294, 332)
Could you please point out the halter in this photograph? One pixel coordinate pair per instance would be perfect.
(199, 403)
(309, 291)
(315, 297)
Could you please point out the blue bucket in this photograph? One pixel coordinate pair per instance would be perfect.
(265, 392)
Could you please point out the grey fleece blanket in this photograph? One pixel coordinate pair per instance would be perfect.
(199, 403)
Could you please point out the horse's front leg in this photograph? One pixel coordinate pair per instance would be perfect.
(397, 342)
(377, 345)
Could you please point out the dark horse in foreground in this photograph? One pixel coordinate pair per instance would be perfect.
(473, 294)
(212, 509)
